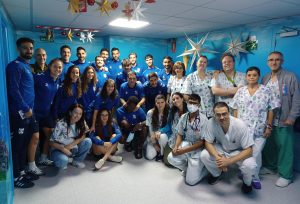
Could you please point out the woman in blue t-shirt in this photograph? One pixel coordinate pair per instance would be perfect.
(105, 138)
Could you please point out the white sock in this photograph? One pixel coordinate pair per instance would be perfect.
(22, 173)
(31, 165)
(43, 157)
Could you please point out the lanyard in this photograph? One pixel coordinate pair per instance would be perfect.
(231, 79)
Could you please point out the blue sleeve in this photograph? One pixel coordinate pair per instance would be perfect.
(57, 102)
(95, 140)
(166, 129)
(122, 91)
(118, 134)
(116, 102)
(119, 116)
(141, 90)
(142, 115)
(14, 74)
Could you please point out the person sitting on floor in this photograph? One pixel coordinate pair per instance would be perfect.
(157, 118)
(105, 138)
(69, 141)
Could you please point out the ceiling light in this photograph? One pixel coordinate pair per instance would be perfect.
(125, 23)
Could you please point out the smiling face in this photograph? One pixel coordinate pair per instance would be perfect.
(56, 68)
(75, 74)
(275, 61)
(90, 73)
(228, 64)
(65, 54)
(132, 59)
(104, 115)
(75, 115)
(222, 115)
(99, 61)
(252, 77)
(40, 56)
(104, 54)
(26, 50)
(131, 78)
(149, 62)
(167, 64)
(110, 87)
(116, 54)
(202, 63)
(81, 54)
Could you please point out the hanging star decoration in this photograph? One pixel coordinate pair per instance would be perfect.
(73, 6)
(150, 1)
(104, 7)
(70, 35)
(89, 37)
(82, 37)
(137, 11)
(197, 49)
(128, 10)
(236, 46)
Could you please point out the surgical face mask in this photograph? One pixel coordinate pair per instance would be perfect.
(192, 108)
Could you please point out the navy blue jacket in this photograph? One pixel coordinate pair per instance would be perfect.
(45, 88)
(20, 86)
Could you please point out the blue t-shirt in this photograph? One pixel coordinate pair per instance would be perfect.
(132, 118)
(106, 103)
(45, 88)
(104, 135)
(81, 65)
(102, 77)
(150, 70)
(126, 91)
(114, 67)
(152, 92)
(164, 77)
(20, 86)
(67, 65)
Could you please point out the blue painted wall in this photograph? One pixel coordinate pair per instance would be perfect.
(7, 52)
(52, 48)
(268, 40)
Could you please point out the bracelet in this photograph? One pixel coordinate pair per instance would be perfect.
(269, 126)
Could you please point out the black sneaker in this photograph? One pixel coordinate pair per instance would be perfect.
(213, 180)
(138, 154)
(159, 157)
(22, 182)
(246, 189)
(31, 176)
(128, 147)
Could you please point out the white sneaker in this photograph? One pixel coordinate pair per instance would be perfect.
(37, 171)
(45, 162)
(264, 171)
(117, 159)
(99, 164)
(70, 160)
(282, 182)
(78, 164)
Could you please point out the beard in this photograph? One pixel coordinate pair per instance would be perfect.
(26, 56)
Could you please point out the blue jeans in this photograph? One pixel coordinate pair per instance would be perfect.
(79, 153)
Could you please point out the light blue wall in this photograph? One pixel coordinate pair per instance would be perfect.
(268, 40)
(142, 46)
(52, 48)
(7, 53)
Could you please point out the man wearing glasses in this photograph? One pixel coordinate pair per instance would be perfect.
(227, 142)
(278, 154)
(189, 142)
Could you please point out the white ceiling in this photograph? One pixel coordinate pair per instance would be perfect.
(168, 18)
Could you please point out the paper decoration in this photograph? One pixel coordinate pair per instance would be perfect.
(137, 11)
(128, 10)
(89, 36)
(150, 1)
(76, 6)
(185, 59)
(236, 46)
(252, 43)
(104, 7)
(49, 34)
(197, 49)
(70, 35)
(82, 37)
(114, 5)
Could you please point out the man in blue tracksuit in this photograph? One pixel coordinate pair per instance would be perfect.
(150, 67)
(166, 73)
(65, 54)
(20, 90)
(115, 65)
(81, 61)
(136, 67)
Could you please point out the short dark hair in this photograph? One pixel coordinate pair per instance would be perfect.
(253, 68)
(152, 74)
(203, 56)
(226, 54)
(168, 57)
(132, 53)
(220, 105)
(114, 49)
(131, 72)
(104, 49)
(148, 56)
(80, 48)
(64, 46)
(276, 52)
(133, 100)
(195, 97)
(20, 41)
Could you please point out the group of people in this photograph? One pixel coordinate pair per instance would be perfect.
(201, 123)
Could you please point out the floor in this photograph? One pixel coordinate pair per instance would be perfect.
(143, 182)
